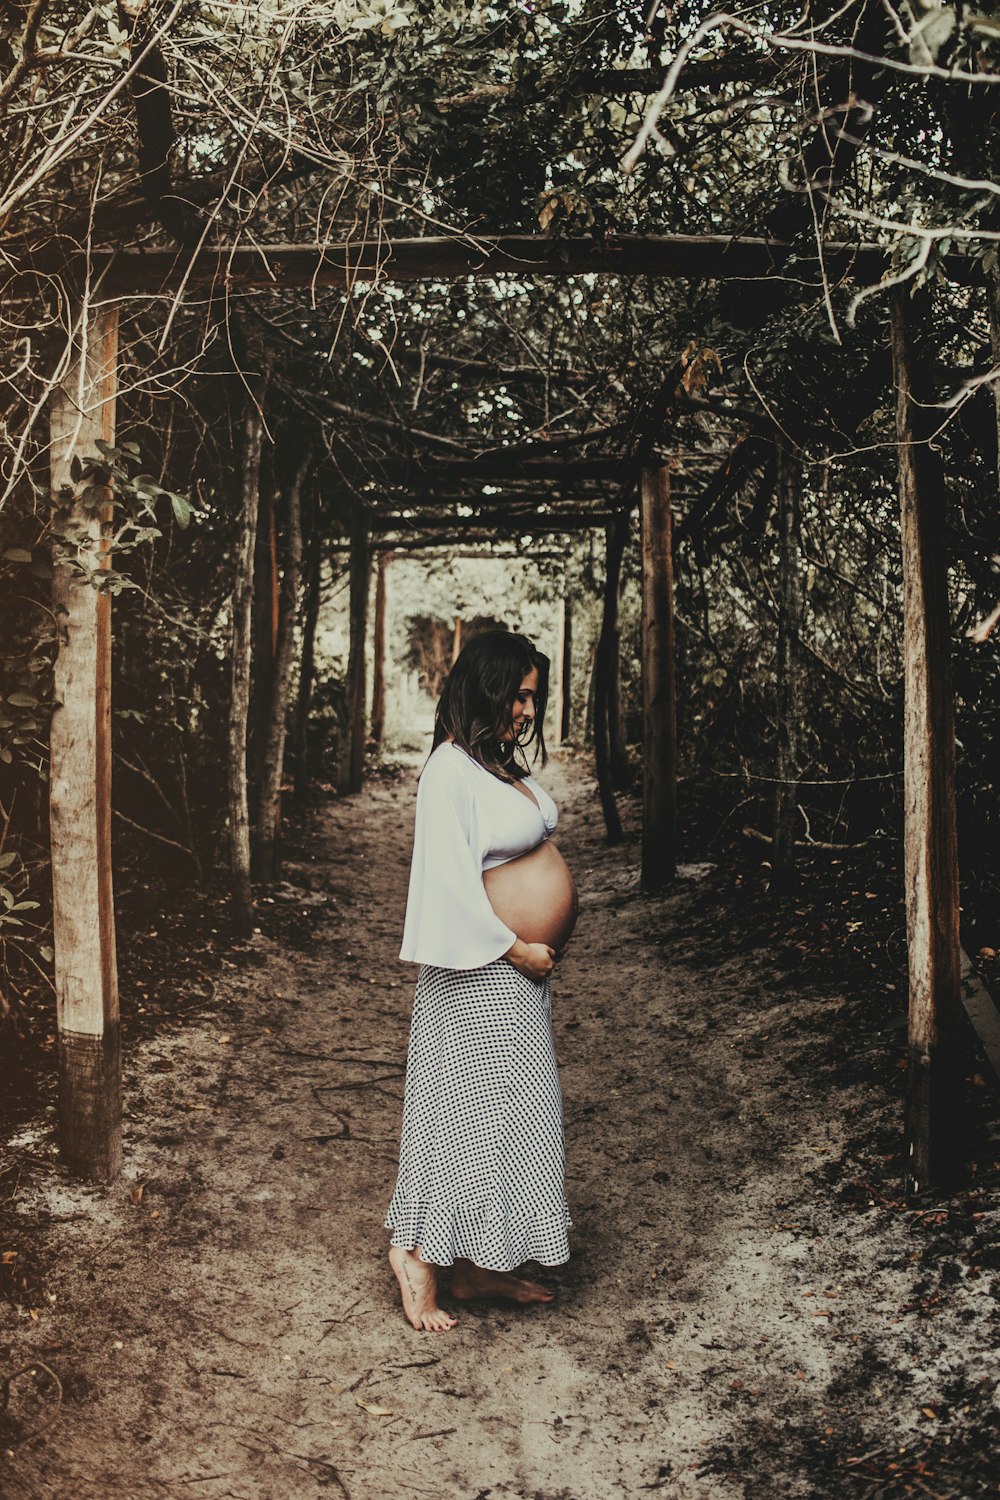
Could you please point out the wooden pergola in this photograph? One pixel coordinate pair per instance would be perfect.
(83, 411)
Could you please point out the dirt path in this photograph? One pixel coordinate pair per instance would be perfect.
(729, 1324)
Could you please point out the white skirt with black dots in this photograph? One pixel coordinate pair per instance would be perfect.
(481, 1162)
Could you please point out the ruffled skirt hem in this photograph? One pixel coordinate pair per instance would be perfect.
(479, 1235)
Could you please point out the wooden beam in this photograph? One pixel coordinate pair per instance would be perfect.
(240, 655)
(698, 257)
(605, 667)
(659, 712)
(83, 920)
(378, 667)
(558, 663)
(351, 769)
(516, 524)
(790, 603)
(934, 1124)
(567, 672)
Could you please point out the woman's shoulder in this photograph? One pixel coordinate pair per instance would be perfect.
(445, 762)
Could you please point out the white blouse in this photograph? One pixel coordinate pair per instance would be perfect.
(468, 821)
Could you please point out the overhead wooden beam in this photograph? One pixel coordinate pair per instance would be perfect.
(934, 1105)
(528, 524)
(700, 257)
(659, 712)
(82, 413)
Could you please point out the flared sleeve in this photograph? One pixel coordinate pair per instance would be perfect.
(449, 920)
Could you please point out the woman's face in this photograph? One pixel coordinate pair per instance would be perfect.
(523, 708)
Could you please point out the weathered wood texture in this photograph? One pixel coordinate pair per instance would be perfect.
(565, 727)
(698, 256)
(558, 689)
(934, 1095)
(379, 647)
(605, 669)
(241, 635)
(659, 705)
(351, 768)
(83, 920)
(268, 822)
(790, 603)
(307, 660)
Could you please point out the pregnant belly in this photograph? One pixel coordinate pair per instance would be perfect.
(535, 895)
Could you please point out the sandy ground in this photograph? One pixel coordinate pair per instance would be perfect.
(739, 1316)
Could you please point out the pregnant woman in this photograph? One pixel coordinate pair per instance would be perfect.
(491, 905)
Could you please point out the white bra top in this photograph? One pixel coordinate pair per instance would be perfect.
(468, 821)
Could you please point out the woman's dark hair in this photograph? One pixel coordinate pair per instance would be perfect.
(476, 707)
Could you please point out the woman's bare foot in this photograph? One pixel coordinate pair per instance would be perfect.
(469, 1280)
(418, 1285)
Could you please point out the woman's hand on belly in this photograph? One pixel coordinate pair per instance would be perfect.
(533, 960)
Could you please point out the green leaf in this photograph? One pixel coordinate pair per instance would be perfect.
(6, 860)
(22, 700)
(17, 554)
(25, 906)
(183, 510)
(46, 952)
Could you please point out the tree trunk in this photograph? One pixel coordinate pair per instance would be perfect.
(307, 664)
(604, 675)
(83, 915)
(934, 1113)
(272, 769)
(566, 727)
(378, 670)
(659, 711)
(352, 751)
(239, 669)
(788, 491)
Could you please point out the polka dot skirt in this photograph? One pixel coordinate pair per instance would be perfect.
(481, 1160)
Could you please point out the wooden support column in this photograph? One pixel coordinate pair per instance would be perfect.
(558, 663)
(352, 753)
(268, 821)
(659, 711)
(83, 919)
(788, 491)
(565, 728)
(378, 669)
(240, 652)
(934, 1113)
(605, 666)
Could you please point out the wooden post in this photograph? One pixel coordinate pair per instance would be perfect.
(788, 487)
(352, 753)
(565, 728)
(378, 669)
(83, 918)
(456, 639)
(659, 711)
(605, 659)
(934, 1114)
(307, 659)
(239, 669)
(268, 824)
(558, 663)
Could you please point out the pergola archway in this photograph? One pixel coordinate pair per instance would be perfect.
(83, 412)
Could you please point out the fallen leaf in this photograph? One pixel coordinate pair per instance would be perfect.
(7, 1257)
(136, 1193)
(929, 1413)
(374, 1411)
